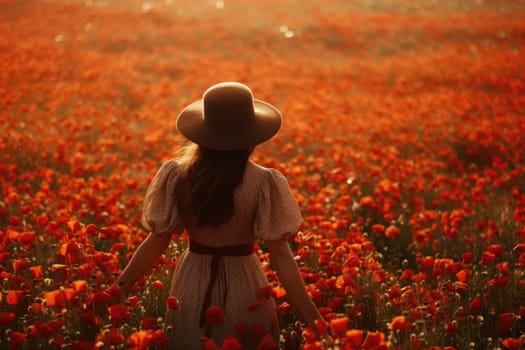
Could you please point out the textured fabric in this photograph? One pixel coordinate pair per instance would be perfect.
(264, 208)
(159, 212)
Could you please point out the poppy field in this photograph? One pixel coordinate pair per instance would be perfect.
(402, 140)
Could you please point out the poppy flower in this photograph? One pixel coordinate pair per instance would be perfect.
(463, 276)
(266, 343)
(379, 276)
(101, 298)
(375, 341)
(354, 339)
(6, 318)
(214, 315)
(159, 338)
(37, 271)
(14, 297)
(27, 239)
(399, 323)
(231, 343)
(392, 231)
(496, 249)
(119, 313)
(148, 323)
(80, 286)
(513, 343)
(475, 306)
(172, 303)
(17, 340)
(19, 265)
(208, 344)
(112, 336)
(258, 331)
(316, 345)
(338, 325)
(487, 257)
(139, 340)
(378, 229)
(157, 284)
(321, 326)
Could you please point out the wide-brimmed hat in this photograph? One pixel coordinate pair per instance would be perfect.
(229, 118)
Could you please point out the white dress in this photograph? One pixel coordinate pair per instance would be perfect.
(264, 208)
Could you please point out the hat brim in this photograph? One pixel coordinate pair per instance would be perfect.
(265, 124)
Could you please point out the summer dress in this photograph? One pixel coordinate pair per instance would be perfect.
(264, 208)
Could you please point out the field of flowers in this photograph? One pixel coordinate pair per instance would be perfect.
(403, 140)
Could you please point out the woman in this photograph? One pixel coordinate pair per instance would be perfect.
(225, 203)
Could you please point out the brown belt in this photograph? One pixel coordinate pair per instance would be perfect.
(217, 253)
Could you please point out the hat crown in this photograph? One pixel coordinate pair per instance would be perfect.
(228, 117)
(228, 105)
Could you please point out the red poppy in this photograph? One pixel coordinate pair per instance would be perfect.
(14, 297)
(25, 209)
(487, 257)
(208, 344)
(148, 323)
(101, 298)
(399, 323)
(496, 249)
(375, 341)
(6, 318)
(392, 231)
(157, 284)
(172, 303)
(80, 286)
(339, 325)
(267, 343)
(316, 345)
(231, 343)
(321, 326)
(427, 262)
(17, 340)
(139, 340)
(37, 271)
(214, 315)
(27, 238)
(111, 336)
(475, 306)
(513, 343)
(159, 338)
(463, 276)
(354, 339)
(467, 257)
(119, 313)
(117, 247)
(379, 276)
(378, 229)
(19, 265)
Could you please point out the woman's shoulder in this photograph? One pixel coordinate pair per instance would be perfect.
(259, 170)
(265, 173)
(169, 169)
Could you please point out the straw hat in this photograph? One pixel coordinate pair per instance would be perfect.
(229, 118)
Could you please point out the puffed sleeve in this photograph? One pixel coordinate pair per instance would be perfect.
(278, 213)
(159, 212)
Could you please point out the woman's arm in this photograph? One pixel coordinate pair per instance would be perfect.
(142, 260)
(290, 277)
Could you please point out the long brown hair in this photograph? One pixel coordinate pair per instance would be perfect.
(205, 192)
